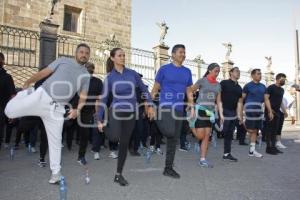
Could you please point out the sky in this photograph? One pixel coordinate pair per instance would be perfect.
(256, 28)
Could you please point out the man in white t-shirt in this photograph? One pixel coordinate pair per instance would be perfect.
(287, 103)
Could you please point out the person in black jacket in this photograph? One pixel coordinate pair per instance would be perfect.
(7, 91)
(86, 121)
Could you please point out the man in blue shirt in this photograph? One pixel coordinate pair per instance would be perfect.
(254, 95)
(172, 80)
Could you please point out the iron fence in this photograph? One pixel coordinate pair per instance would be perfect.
(21, 50)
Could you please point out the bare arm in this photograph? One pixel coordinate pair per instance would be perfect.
(240, 110)
(38, 76)
(284, 110)
(220, 107)
(155, 89)
(189, 92)
(82, 99)
(267, 103)
(73, 113)
(268, 106)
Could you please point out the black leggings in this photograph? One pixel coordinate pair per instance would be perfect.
(122, 129)
(155, 135)
(28, 123)
(85, 132)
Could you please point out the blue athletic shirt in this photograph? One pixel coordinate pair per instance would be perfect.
(173, 83)
(255, 93)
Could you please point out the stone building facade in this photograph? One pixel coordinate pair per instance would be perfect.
(89, 19)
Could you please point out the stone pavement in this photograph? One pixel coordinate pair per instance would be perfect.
(270, 178)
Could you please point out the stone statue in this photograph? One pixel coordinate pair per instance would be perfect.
(163, 32)
(229, 50)
(269, 59)
(199, 59)
(49, 17)
(112, 37)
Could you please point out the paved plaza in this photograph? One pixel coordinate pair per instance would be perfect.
(270, 178)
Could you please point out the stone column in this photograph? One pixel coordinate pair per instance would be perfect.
(269, 77)
(48, 43)
(161, 56)
(226, 68)
(199, 62)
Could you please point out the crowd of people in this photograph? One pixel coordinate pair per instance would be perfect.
(65, 98)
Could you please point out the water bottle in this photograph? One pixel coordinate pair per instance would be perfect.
(87, 177)
(188, 146)
(214, 140)
(260, 141)
(196, 148)
(12, 153)
(141, 149)
(29, 148)
(148, 156)
(62, 189)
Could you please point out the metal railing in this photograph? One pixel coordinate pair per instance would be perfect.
(140, 60)
(21, 50)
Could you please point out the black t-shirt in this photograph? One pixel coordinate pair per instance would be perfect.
(276, 96)
(7, 88)
(231, 92)
(95, 89)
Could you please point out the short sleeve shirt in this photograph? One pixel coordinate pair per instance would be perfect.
(207, 93)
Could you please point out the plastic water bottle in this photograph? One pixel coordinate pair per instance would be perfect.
(87, 177)
(148, 156)
(29, 148)
(62, 189)
(214, 140)
(141, 149)
(196, 148)
(188, 146)
(12, 153)
(260, 141)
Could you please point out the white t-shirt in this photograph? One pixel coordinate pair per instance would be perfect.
(288, 101)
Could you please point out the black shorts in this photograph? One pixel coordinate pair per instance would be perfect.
(254, 121)
(203, 120)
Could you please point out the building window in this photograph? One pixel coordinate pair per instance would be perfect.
(72, 19)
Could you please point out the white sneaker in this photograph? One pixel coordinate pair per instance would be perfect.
(280, 145)
(255, 154)
(55, 178)
(159, 151)
(96, 156)
(33, 150)
(152, 149)
(113, 155)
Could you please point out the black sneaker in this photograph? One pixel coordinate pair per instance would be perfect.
(42, 162)
(82, 161)
(230, 158)
(271, 151)
(170, 172)
(121, 180)
(277, 150)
